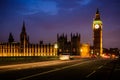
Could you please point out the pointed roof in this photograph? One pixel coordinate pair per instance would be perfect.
(97, 15)
(97, 12)
(10, 39)
(23, 28)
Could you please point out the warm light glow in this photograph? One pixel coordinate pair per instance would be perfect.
(92, 51)
(105, 56)
(29, 65)
(64, 57)
(85, 50)
(81, 50)
(97, 22)
(96, 26)
(56, 46)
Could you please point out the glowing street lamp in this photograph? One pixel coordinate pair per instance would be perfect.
(81, 50)
(56, 47)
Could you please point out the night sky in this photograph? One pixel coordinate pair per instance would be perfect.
(45, 18)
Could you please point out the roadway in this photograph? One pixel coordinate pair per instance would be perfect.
(80, 69)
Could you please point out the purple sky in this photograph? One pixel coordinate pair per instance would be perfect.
(45, 18)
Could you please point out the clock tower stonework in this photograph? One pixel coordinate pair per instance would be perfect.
(97, 35)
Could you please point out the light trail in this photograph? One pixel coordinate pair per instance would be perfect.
(33, 65)
(46, 72)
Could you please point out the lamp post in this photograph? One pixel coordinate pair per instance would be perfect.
(56, 47)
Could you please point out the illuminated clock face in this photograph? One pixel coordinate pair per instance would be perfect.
(96, 26)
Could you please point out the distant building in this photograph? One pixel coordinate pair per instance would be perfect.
(114, 51)
(24, 47)
(68, 47)
(85, 50)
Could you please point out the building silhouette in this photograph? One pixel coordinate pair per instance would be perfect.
(68, 47)
(10, 39)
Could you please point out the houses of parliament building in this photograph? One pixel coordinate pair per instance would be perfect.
(62, 46)
(25, 48)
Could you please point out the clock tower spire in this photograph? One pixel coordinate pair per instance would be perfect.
(97, 15)
(97, 35)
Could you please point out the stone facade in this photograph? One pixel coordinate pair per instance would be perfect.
(14, 49)
(25, 48)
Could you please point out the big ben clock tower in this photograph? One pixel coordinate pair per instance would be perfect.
(97, 35)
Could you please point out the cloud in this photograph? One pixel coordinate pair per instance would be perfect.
(59, 16)
(28, 7)
(84, 2)
(36, 6)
